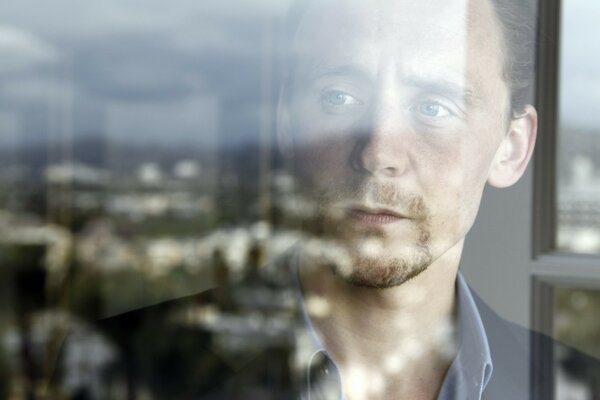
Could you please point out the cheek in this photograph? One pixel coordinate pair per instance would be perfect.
(456, 178)
(454, 212)
(320, 161)
(461, 159)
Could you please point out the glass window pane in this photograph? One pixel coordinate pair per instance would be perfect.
(130, 174)
(579, 124)
(576, 324)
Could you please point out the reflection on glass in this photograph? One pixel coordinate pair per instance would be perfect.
(129, 175)
(579, 139)
(576, 324)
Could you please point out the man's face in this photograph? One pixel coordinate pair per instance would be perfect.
(396, 110)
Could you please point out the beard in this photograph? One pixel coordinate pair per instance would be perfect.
(383, 272)
(367, 256)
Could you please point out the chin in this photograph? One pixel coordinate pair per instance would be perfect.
(384, 272)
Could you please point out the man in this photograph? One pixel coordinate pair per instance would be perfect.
(394, 115)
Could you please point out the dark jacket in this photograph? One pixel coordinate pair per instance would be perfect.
(239, 343)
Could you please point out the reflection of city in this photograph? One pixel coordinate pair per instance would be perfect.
(579, 192)
(81, 241)
(576, 323)
(113, 242)
(578, 230)
(118, 227)
(92, 243)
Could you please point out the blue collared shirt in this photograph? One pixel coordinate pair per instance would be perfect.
(466, 378)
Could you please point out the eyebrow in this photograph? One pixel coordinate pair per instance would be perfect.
(445, 87)
(316, 70)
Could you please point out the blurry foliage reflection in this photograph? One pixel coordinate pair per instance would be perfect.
(87, 262)
(128, 176)
(576, 319)
(576, 323)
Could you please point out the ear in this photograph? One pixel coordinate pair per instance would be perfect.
(515, 151)
(285, 141)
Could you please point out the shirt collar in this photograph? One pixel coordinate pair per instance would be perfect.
(472, 367)
(321, 375)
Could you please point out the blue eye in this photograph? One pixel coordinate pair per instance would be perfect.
(432, 109)
(338, 98)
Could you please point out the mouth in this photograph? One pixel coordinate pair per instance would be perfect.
(374, 216)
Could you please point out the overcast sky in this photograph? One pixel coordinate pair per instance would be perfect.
(162, 71)
(580, 67)
(132, 69)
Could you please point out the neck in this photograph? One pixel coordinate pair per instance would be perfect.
(404, 334)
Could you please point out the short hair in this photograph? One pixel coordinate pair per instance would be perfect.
(518, 25)
(518, 28)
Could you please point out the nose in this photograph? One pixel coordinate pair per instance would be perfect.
(382, 149)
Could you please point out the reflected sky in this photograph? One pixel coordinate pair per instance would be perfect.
(134, 70)
(580, 65)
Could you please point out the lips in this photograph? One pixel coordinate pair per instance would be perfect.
(374, 216)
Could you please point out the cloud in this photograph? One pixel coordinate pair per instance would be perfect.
(74, 18)
(21, 49)
(142, 67)
(31, 89)
(146, 50)
(192, 121)
(137, 68)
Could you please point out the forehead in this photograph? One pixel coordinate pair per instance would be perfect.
(378, 16)
(454, 38)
